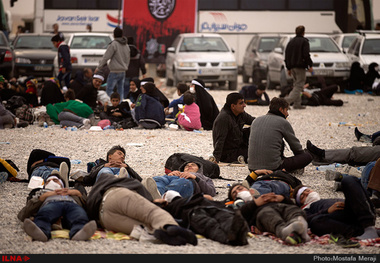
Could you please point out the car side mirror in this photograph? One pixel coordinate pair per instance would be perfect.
(171, 49)
(233, 50)
(278, 50)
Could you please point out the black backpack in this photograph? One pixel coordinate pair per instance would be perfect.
(175, 161)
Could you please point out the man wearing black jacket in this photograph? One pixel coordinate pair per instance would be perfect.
(297, 59)
(229, 138)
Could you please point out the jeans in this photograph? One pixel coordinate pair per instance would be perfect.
(183, 186)
(127, 80)
(74, 217)
(365, 176)
(69, 119)
(358, 212)
(116, 79)
(66, 77)
(108, 170)
(43, 171)
(299, 78)
(277, 187)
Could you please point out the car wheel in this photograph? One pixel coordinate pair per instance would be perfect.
(232, 85)
(245, 76)
(270, 84)
(169, 82)
(256, 78)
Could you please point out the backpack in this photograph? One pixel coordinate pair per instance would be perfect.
(176, 160)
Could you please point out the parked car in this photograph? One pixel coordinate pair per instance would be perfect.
(204, 56)
(328, 58)
(365, 49)
(86, 50)
(256, 56)
(6, 57)
(344, 40)
(34, 55)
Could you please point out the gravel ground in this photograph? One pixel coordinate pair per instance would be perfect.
(149, 159)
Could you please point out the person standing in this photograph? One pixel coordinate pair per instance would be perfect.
(297, 59)
(118, 55)
(64, 61)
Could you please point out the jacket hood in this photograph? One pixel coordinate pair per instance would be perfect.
(122, 40)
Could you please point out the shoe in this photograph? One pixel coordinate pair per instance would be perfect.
(176, 236)
(136, 231)
(240, 159)
(22, 124)
(86, 124)
(151, 186)
(315, 150)
(358, 134)
(123, 173)
(337, 186)
(343, 242)
(333, 176)
(86, 232)
(34, 231)
(299, 107)
(293, 239)
(64, 173)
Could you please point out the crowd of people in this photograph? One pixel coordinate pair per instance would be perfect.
(172, 208)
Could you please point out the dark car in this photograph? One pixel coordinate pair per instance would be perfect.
(34, 55)
(6, 57)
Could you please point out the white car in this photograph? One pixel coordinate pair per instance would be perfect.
(344, 40)
(86, 50)
(203, 56)
(365, 49)
(328, 59)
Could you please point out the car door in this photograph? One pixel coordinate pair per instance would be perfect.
(170, 57)
(353, 50)
(249, 56)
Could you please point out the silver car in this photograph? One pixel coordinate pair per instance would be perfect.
(203, 56)
(328, 58)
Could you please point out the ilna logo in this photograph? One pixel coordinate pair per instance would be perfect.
(10, 258)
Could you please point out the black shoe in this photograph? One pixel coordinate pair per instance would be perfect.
(343, 242)
(315, 150)
(333, 176)
(358, 134)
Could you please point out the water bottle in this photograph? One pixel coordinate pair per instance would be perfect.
(76, 161)
(323, 168)
(74, 128)
(45, 124)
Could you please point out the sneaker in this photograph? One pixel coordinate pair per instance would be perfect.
(64, 173)
(86, 232)
(333, 175)
(86, 124)
(34, 231)
(123, 172)
(293, 239)
(240, 159)
(151, 186)
(343, 242)
(136, 232)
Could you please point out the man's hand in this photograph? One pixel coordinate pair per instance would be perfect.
(263, 172)
(185, 175)
(118, 164)
(335, 207)
(289, 72)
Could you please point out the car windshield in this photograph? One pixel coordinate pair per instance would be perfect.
(203, 44)
(90, 42)
(267, 44)
(347, 40)
(33, 42)
(323, 44)
(371, 47)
